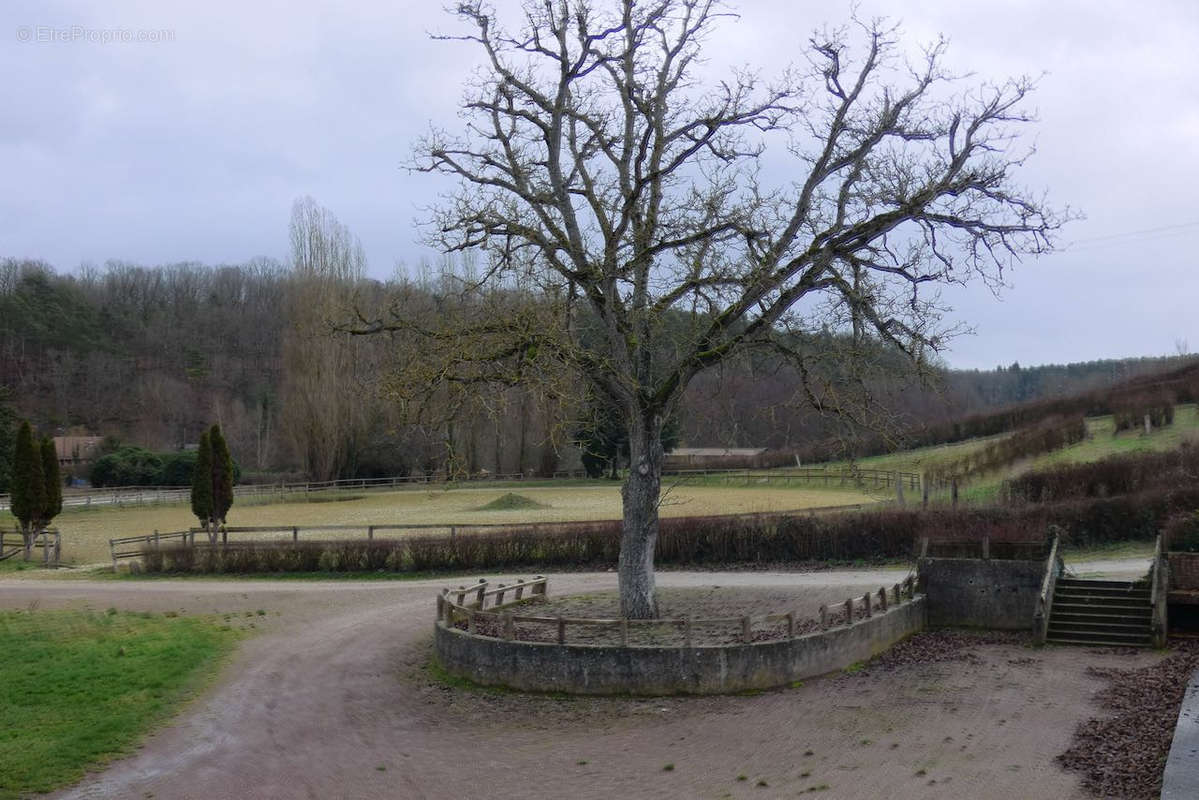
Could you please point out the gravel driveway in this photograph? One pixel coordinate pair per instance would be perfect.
(334, 699)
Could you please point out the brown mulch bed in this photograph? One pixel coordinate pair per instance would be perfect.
(1123, 755)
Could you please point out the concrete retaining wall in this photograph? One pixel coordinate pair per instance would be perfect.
(592, 669)
(981, 593)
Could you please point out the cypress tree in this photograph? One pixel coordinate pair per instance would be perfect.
(52, 478)
(28, 489)
(222, 476)
(202, 483)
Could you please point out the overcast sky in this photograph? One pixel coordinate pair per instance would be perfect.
(193, 147)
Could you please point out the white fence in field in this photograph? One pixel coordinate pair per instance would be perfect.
(816, 477)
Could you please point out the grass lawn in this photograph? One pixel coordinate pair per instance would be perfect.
(77, 688)
(86, 532)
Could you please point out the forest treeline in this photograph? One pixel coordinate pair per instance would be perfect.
(154, 355)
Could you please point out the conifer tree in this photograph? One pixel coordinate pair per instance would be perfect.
(201, 497)
(52, 480)
(28, 500)
(222, 476)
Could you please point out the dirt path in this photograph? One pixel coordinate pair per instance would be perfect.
(333, 699)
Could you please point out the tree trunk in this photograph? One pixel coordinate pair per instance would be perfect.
(639, 534)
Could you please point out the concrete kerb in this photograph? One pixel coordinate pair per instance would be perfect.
(663, 670)
(1180, 781)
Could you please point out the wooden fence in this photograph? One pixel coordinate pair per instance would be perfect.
(454, 608)
(152, 495)
(135, 546)
(12, 543)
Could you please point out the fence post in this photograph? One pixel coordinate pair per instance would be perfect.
(898, 595)
(157, 544)
(499, 598)
(882, 599)
(520, 589)
(295, 533)
(866, 604)
(849, 611)
(479, 594)
(45, 548)
(953, 488)
(924, 487)
(461, 595)
(470, 620)
(986, 548)
(624, 632)
(687, 632)
(823, 617)
(370, 531)
(746, 629)
(561, 631)
(112, 551)
(898, 488)
(57, 547)
(790, 624)
(509, 627)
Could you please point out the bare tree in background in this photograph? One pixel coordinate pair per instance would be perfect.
(597, 162)
(323, 413)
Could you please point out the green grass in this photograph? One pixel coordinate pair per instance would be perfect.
(77, 688)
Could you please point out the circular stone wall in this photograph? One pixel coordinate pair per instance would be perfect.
(603, 669)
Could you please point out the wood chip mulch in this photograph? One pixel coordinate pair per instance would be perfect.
(1123, 754)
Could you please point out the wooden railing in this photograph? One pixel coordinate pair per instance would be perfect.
(453, 607)
(1159, 588)
(1044, 605)
(12, 543)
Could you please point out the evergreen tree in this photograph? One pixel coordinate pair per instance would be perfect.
(8, 429)
(52, 479)
(222, 476)
(28, 497)
(201, 497)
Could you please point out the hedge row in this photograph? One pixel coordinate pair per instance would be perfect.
(1044, 437)
(762, 540)
(1114, 475)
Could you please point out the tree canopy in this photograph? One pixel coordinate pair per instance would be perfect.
(597, 162)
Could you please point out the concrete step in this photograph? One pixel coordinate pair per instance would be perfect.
(1139, 639)
(1096, 642)
(1142, 620)
(1070, 605)
(1085, 583)
(1056, 624)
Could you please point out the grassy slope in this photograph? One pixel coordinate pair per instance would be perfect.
(78, 687)
(1100, 445)
(86, 532)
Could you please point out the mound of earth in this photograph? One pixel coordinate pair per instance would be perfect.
(511, 502)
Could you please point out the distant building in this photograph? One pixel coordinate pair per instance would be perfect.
(76, 449)
(714, 458)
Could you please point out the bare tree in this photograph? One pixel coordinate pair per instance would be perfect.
(597, 162)
(323, 414)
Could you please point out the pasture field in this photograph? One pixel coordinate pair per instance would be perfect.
(77, 687)
(86, 532)
(1100, 444)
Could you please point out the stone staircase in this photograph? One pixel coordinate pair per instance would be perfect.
(1104, 613)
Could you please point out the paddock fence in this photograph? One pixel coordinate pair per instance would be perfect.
(49, 541)
(814, 477)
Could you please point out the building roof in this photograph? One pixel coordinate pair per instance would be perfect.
(76, 448)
